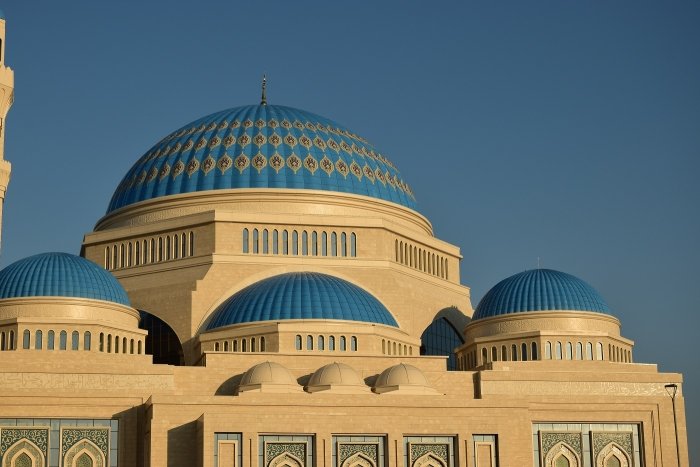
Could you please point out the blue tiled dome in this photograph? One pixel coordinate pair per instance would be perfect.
(262, 146)
(60, 275)
(540, 290)
(300, 295)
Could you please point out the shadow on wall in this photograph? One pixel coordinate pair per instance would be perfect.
(228, 387)
(180, 449)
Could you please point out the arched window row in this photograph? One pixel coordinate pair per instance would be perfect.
(513, 352)
(421, 259)
(7, 340)
(251, 344)
(619, 354)
(396, 348)
(299, 242)
(566, 350)
(326, 343)
(62, 340)
(149, 250)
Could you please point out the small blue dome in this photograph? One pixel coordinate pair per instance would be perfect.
(300, 295)
(60, 275)
(540, 290)
(262, 146)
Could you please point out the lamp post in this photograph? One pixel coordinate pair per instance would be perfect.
(672, 389)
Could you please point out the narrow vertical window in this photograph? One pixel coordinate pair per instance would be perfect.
(87, 338)
(75, 337)
(589, 351)
(176, 246)
(334, 244)
(252, 344)
(401, 252)
(25, 339)
(12, 340)
(324, 244)
(109, 343)
(183, 245)
(63, 340)
(304, 243)
(265, 242)
(599, 354)
(262, 344)
(321, 343)
(122, 254)
(139, 346)
(167, 248)
(569, 351)
(191, 245)
(50, 338)
(297, 342)
(124, 341)
(343, 244)
(115, 254)
(275, 242)
(559, 351)
(504, 353)
(235, 345)
(579, 351)
(484, 356)
(342, 343)
(256, 241)
(383, 347)
(225, 346)
(396, 250)
(494, 354)
(102, 342)
(353, 245)
(314, 243)
(245, 241)
(285, 242)
(216, 346)
(353, 344)
(107, 265)
(129, 254)
(244, 345)
(535, 354)
(38, 338)
(295, 243)
(160, 248)
(331, 343)
(116, 344)
(514, 352)
(137, 254)
(548, 350)
(309, 342)
(153, 250)
(523, 352)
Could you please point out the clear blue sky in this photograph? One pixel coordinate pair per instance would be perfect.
(568, 131)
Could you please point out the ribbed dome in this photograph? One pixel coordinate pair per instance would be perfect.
(60, 275)
(400, 375)
(335, 373)
(262, 146)
(267, 373)
(540, 290)
(300, 295)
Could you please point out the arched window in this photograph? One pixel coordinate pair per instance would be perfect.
(334, 244)
(122, 254)
(484, 356)
(394, 347)
(343, 244)
(331, 342)
(447, 274)
(244, 345)
(275, 242)
(12, 340)
(523, 352)
(401, 252)
(514, 352)
(262, 343)
(102, 342)
(353, 344)
(314, 243)
(62, 340)
(86, 340)
(252, 344)
(265, 242)
(131, 346)
(139, 345)
(285, 242)
(38, 339)
(116, 344)
(589, 351)
(216, 346)
(25, 339)
(124, 341)
(309, 342)
(75, 337)
(324, 244)
(235, 345)
(160, 248)
(297, 342)
(548, 350)
(494, 354)
(569, 351)
(295, 243)
(256, 241)
(535, 354)
(50, 337)
(304, 243)
(167, 247)
(342, 343)
(559, 355)
(107, 258)
(137, 253)
(176, 246)
(383, 347)
(191, 244)
(321, 343)
(441, 338)
(579, 351)
(109, 343)
(353, 245)
(599, 354)
(245, 241)
(153, 250)
(504, 353)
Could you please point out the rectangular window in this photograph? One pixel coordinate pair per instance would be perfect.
(485, 451)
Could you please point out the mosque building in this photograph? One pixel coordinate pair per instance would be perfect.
(262, 291)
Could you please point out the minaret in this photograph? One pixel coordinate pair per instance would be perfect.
(7, 86)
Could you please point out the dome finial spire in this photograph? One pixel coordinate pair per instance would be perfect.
(263, 100)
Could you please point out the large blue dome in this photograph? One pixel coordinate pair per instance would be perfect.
(300, 295)
(60, 275)
(540, 290)
(262, 146)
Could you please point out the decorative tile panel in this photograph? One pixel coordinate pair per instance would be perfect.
(71, 436)
(38, 436)
(599, 440)
(347, 450)
(550, 439)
